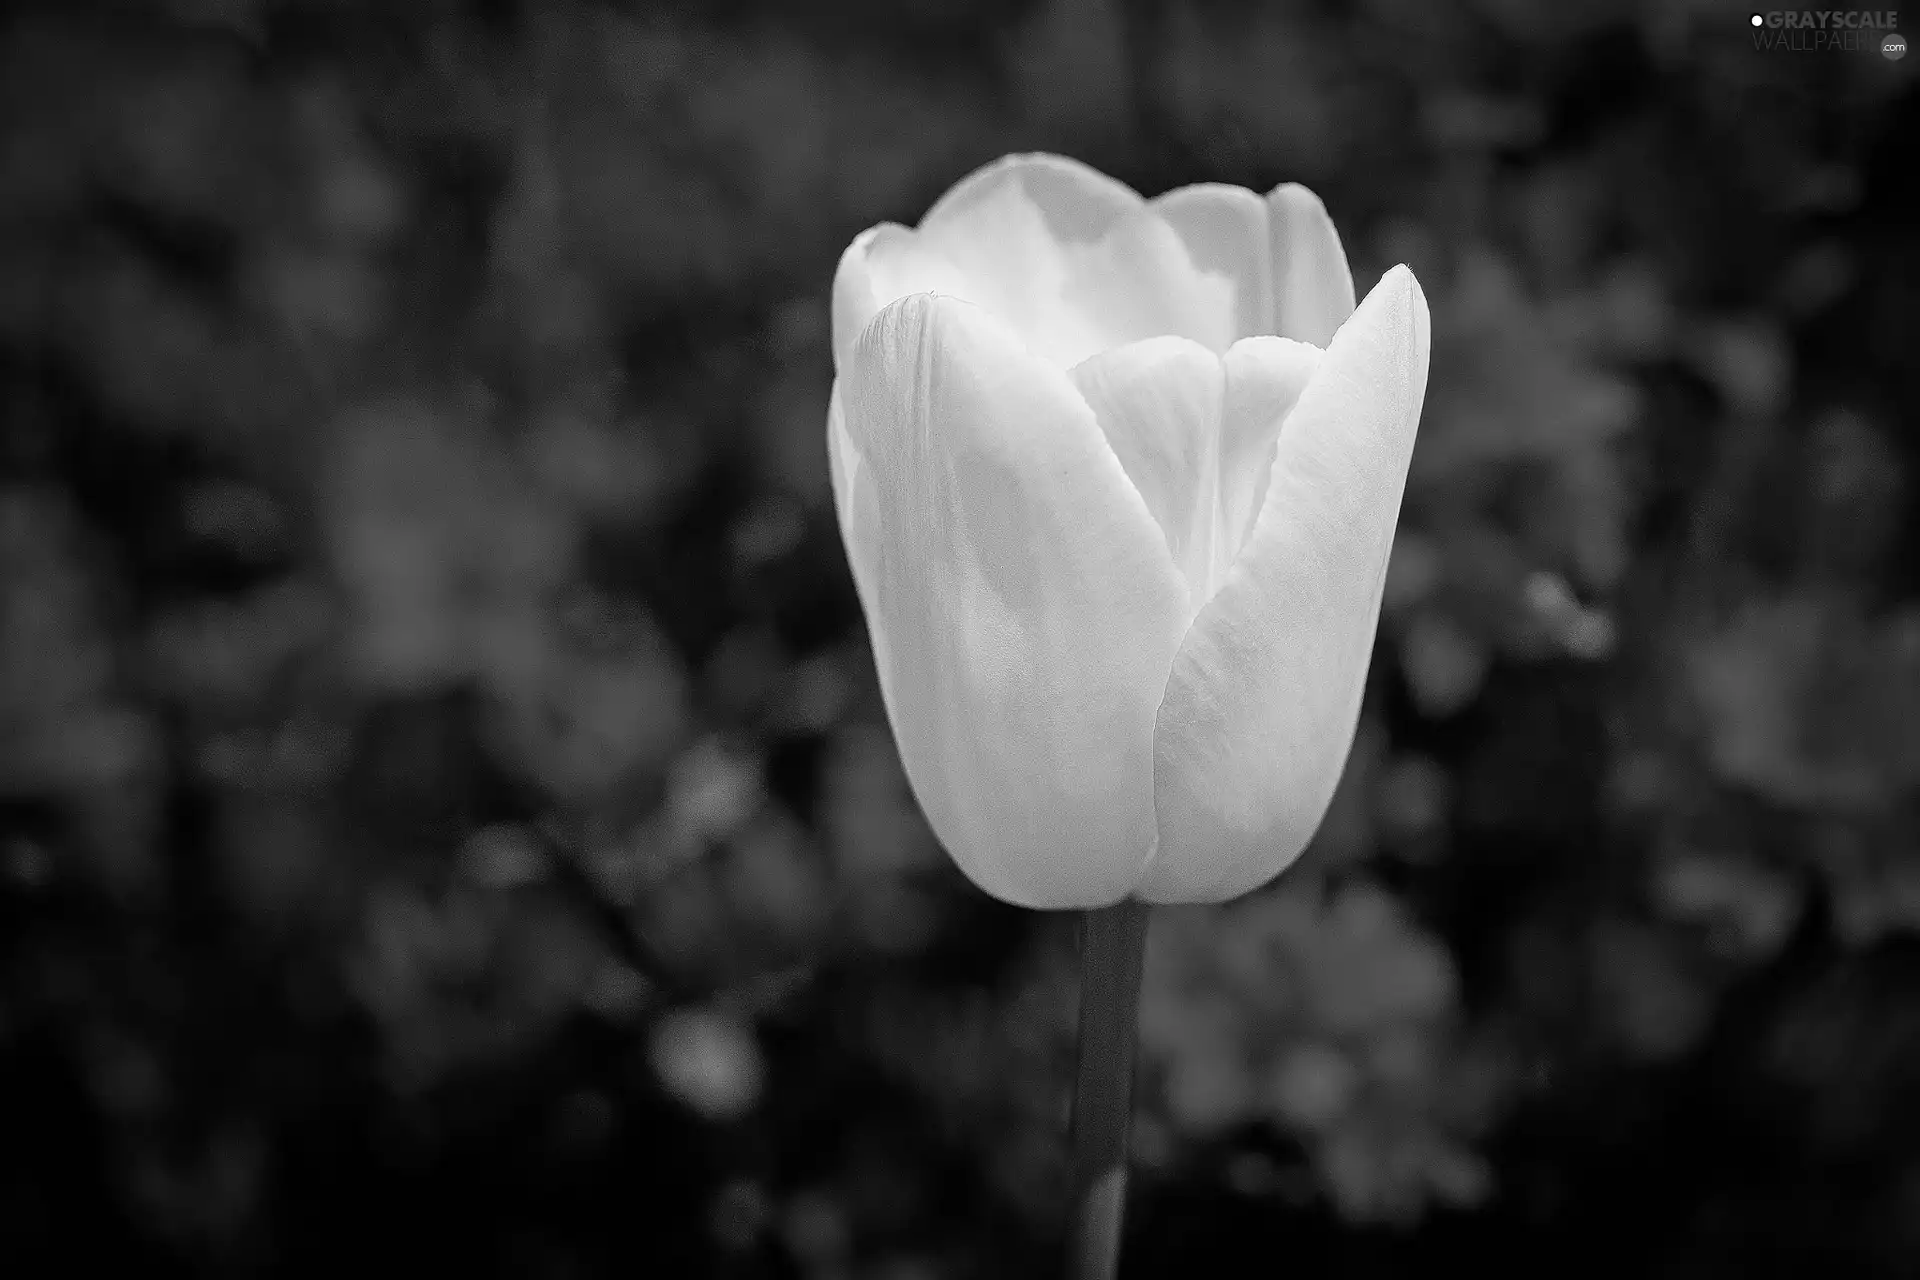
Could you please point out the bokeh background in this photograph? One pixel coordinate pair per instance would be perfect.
(447, 820)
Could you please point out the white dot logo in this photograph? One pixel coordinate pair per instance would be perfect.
(1894, 47)
(1757, 20)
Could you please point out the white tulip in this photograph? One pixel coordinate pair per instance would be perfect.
(1118, 481)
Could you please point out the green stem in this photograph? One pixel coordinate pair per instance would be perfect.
(1112, 947)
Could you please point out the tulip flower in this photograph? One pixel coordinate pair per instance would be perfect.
(1118, 481)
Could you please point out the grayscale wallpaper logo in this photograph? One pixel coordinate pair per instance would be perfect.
(1829, 31)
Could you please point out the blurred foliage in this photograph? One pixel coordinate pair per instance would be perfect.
(446, 816)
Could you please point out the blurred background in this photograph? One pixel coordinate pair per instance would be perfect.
(446, 814)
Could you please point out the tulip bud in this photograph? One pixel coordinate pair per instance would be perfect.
(1118, 480)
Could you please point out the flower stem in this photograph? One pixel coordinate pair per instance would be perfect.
(1112, 947)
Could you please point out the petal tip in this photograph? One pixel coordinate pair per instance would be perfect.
(855, 296)
(1063, 183)
(1196, 193)
(1296, 196)
(1401, 295)
(1314, 292)
(1402, 277)
(862, 244)
(1398, 299)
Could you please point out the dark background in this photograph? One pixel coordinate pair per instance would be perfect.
(446, 815)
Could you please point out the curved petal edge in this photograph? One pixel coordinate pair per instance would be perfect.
(1264, 694)
(1312, 284)
(1026, 606)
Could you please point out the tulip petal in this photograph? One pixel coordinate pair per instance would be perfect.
(853, 499)
(1196, 434)
(1081, 202)
(1265, 378)
(1159, 404)
(1312, 286)
(1072, 260)
(858, 509)
(1028, 605)
(1264, 694)
(883, 263)
(1225, 231)
(1283, 252)
(1009, 227)
(1139, 282)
